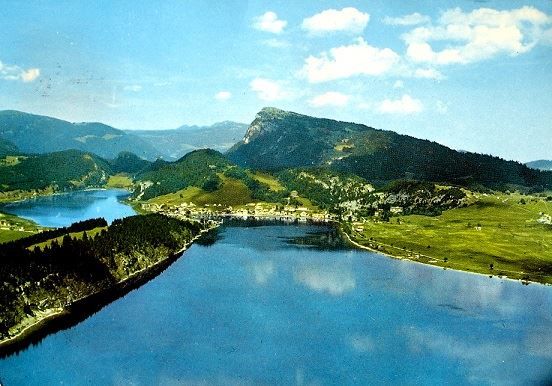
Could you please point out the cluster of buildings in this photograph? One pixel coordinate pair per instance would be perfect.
(251, 210)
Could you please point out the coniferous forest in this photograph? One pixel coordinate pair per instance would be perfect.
(52, 269)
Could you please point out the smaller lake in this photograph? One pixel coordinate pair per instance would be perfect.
(64, 209)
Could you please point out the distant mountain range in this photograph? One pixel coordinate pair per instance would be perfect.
(36, 134)
(275, 141)
(279, 139)
(540, 164)
(177, 142)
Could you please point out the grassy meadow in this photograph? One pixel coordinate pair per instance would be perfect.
(13, 227)
(496, 234)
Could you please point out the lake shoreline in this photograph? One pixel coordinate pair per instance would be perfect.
(86, 306)
(4, 201)
(406, 258)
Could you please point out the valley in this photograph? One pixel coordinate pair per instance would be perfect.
(494, 224)
(497, 226)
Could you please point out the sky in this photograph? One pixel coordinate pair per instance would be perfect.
(472, 75)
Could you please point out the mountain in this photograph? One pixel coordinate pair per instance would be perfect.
(197, 168)
(540, 164)
(279, 139)
(174, 143)
(7, 148)
(127, 162)
(35, 134)
(68, 169)
(205, 176)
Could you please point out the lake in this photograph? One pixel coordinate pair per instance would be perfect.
(259, 303)
(64, 209)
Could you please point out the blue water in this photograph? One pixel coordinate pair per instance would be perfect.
(255, 308)
(65, 209)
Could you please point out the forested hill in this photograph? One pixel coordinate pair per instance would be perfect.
(7, 148)
(69, 169)
(279, 139)
(36, 134)
(198, 168)
(206, 176)
(47, 272)
(127, 162)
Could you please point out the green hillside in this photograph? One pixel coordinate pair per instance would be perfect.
(127, 162)
(206, 176)
(36, 134)
(7, 148)
(279, 139)
(69, 169)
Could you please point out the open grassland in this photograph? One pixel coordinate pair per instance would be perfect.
(11, 160)
(120, 181)
(74, 235)
(13, 227)
(496, 235)
(268, 180)
(231, 192)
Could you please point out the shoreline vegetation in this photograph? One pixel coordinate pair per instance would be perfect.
(40, 323)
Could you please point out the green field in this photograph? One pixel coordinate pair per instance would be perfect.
(14, 225)
(268, 180)
(495, 235)
(232, 192)
(120, 181)
(75, 235)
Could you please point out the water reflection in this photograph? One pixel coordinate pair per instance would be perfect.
(253, 308)
(362, 343)
(334, 278)
(262, 271)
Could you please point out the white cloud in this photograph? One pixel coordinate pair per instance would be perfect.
(405, 105)
(407, 20)
(30, 75)
(223, 95)
(330, 98)
(269, 22)
(359, 58)
(331, 20)
(482, 34)
(12, 72)
(133, 88)
(428, 73)
(267, 90)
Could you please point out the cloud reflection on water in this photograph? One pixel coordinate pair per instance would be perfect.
(262, 271)
(335, 279)
(362, 343)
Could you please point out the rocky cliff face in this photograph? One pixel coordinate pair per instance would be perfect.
(279, 139)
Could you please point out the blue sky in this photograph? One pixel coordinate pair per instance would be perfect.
(473, 75)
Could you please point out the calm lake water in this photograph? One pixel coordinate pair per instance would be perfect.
(287, 304)
(65, 209)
